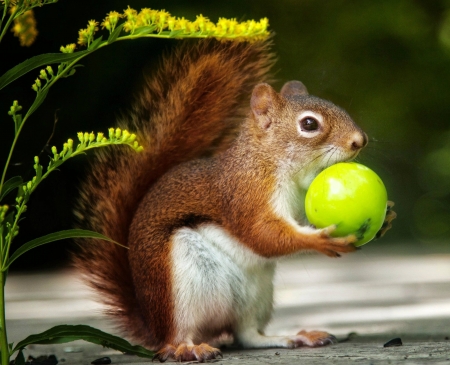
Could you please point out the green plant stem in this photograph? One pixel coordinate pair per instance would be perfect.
(8, 23)
(3, 337)
(21, 209)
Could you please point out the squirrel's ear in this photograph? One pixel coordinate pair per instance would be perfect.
(264, 98)
(293, 88)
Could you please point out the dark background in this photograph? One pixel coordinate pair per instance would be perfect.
(386, 62)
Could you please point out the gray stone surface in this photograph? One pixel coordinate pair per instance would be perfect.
(378, 293)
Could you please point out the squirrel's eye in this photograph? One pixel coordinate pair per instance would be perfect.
(309, 124)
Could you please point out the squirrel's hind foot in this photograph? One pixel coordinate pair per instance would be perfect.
(314, 339)
(185, 352)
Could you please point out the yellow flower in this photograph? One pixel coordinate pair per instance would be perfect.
(25, 27)
(130, 13)
(83, 37)
(147, 16)
(92, 27)
(181, 23)
(264, 23)
(232, 26)
(161, 20)
(162, 17)
(68, 49)
(171, 22)
(112, 18)
(192, 27)
(222, 27)
(132, 18)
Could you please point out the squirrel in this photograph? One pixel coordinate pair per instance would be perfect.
(213, 201)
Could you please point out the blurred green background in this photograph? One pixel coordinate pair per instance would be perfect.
(386, 62)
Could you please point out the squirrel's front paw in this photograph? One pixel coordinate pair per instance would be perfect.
(333, 246)
(390, 216)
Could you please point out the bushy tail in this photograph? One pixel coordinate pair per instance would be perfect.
(192, 107)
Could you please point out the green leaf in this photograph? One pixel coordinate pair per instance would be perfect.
(113, 36)
(38, 101)
(176, 33)
(68, 333)
(35, 62)
(10, 185)
(17, 122)
(145, 30)
(56, 236)
(20, 359)
(94, 45)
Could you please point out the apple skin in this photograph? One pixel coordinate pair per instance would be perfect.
(350, 196)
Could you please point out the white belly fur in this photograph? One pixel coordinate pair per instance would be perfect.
(219, 284)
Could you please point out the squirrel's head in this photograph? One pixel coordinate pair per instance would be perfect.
(304, 133)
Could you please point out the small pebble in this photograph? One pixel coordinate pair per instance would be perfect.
(446, 337)
(277, 353)
(394, 342)
(103, 360)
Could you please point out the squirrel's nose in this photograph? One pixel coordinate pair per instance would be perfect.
(358, 141)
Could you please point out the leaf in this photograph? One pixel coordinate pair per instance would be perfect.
(38, 101)
(94, 45)
(175, 33)
(144, 30)
(17, 122)
(35, 62)
(10, 185)
(113, 36)
(68, 333)
(20, 359)
(70, 73)
(70, 233)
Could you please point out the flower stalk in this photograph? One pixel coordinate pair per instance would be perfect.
(4, 346)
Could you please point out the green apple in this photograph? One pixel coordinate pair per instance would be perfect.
(350, 196)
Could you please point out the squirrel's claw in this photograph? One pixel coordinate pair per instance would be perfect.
(334, 246)
(185, 352)
(314, 338)
(390, 216)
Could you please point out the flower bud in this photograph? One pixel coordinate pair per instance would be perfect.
(125, 135)
(43, 75)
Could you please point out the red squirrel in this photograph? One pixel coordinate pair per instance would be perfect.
(212, 202)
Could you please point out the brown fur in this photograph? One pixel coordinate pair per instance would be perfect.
(232, 189)
(189, 109)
